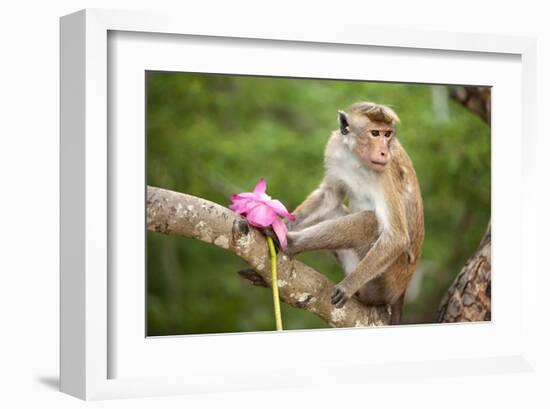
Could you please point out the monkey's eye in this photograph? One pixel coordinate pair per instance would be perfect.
(387, 134)
(375, 133)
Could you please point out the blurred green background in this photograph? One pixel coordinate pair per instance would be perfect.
(214, 135)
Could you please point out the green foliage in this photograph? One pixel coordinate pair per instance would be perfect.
(213, 135)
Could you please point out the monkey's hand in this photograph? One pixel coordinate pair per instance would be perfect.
(339, 296)
(292, 247)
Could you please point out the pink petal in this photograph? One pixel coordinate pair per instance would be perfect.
(251, 196)
(251, 204)
(260, 187)
(280, 208)
(236, 199)
(239, 205)
(237, 208)
(245, 205)
(280, 231)
(244, 195)
(261, 215)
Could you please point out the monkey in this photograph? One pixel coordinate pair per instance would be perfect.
(377, 237)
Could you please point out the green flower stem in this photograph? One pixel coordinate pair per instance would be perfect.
(274, 287)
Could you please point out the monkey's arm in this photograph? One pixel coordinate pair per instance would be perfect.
(351, 231)
(383, 253)
(320, 203)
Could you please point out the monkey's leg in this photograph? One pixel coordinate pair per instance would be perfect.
(351, 231)
(382, 254)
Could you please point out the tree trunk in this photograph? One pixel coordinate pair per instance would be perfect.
(469, 297)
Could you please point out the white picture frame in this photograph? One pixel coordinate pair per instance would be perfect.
(104, 353)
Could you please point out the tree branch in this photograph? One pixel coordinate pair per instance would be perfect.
(299, 285)
(254, 278)
(476, 99)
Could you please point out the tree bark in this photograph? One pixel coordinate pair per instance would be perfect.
(469, 297)
(299, 285)
(476, 99)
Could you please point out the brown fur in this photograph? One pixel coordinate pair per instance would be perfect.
(388, 243)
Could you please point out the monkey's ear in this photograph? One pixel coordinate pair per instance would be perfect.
(343, 122)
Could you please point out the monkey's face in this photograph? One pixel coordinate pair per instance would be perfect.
(372, 145)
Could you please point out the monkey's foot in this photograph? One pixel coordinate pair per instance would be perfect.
(339, 297)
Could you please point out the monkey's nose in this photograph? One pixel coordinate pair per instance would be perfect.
(382, 153)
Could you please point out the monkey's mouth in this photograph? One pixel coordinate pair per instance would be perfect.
(379, 164)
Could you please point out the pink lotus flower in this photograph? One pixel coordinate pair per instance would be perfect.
(261, 210)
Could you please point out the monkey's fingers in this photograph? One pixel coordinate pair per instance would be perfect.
(268, 232)
(338, 298)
